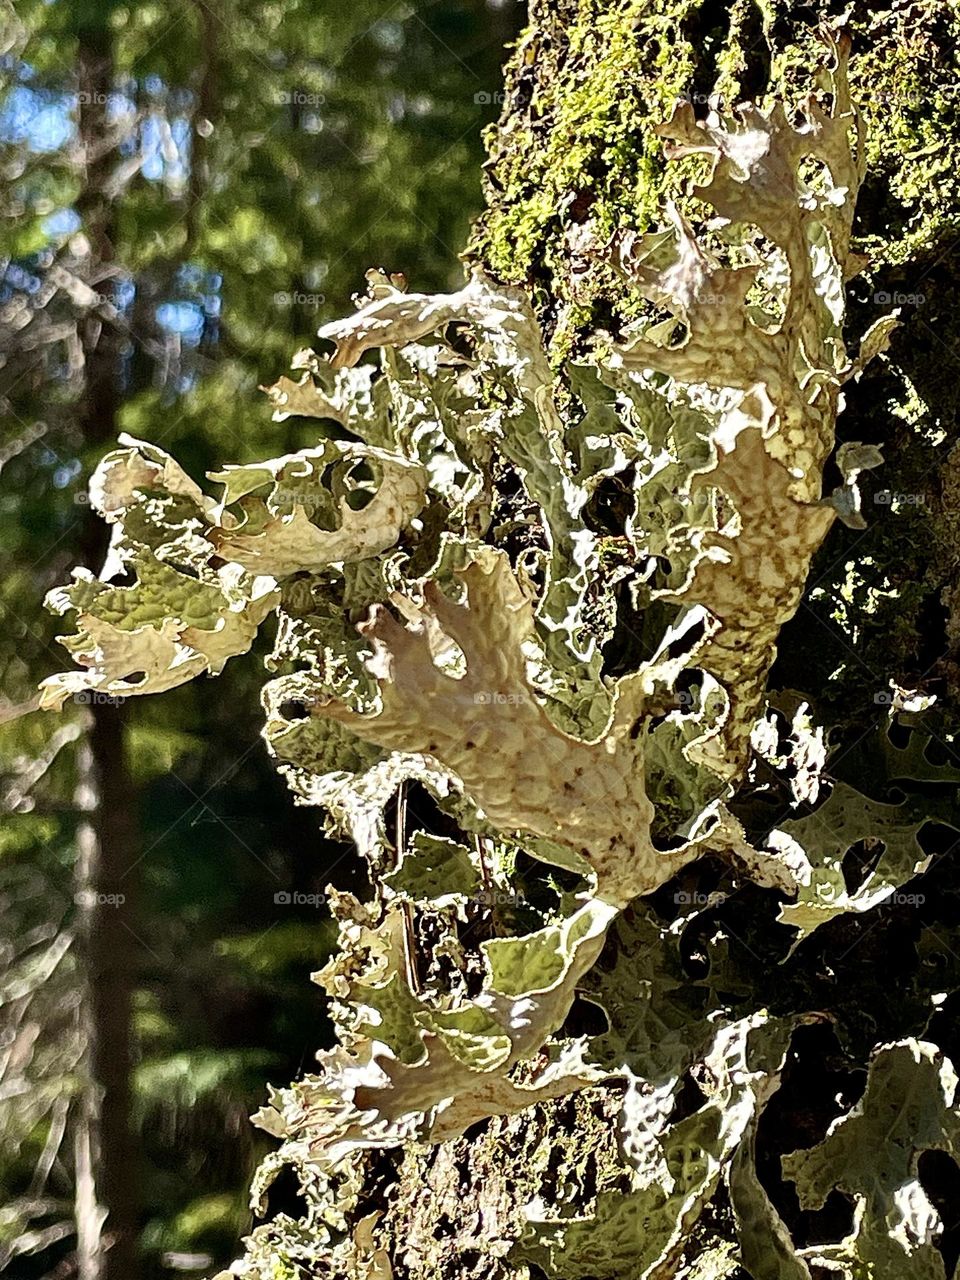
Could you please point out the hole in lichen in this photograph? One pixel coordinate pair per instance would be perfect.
(127, 578)
(448, 657)
(585, 1018)
(705, 28)
(423, 813)
(859, 862)
(636, 631)
(611, 505)
(294, 709)
(766, 299)
(755, 52)
(356, 484)
(475, 1132)
(688, 1099)
(939, 753)
(285, 1196)
(943, 1028)
(687, 641)
(817, 1085)
(815, 178)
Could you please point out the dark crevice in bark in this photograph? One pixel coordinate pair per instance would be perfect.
(705, 27)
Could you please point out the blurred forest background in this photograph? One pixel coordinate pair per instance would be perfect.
(187, 190)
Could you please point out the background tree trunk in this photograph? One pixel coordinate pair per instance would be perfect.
(107, 1197)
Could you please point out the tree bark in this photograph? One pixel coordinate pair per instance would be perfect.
(107, 1194)
(575, 145)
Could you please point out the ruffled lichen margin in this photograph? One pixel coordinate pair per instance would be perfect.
(549, 590)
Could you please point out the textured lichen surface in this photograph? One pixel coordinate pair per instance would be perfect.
(577, 153)
(548, 593)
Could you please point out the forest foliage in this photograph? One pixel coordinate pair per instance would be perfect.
(247, 163)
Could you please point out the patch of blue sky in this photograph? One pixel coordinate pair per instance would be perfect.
(18, 279)
(42, 120)
(183, 318)
(61, 223)
(65, 473)
(203, 285)
(164, 149)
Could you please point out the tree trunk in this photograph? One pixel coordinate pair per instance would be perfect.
(575, 146)
(107, 1197)
(105, 1165)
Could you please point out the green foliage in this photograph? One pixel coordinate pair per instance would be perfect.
(246, 139)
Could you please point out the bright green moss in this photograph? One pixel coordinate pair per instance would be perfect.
(583, 100)
(590, 81)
